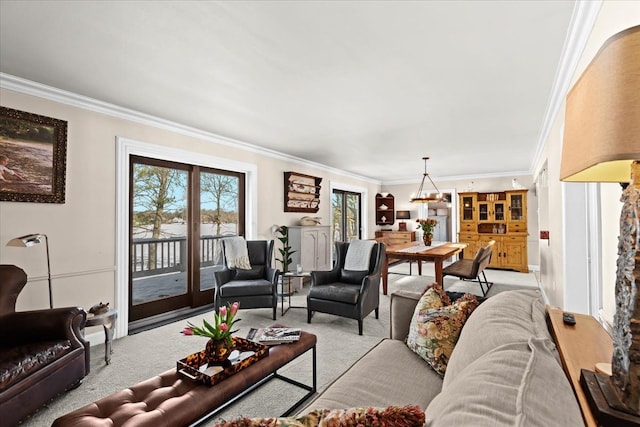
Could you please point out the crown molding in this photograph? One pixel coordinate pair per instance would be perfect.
(509, 174)
(585, 13)
(28, 87)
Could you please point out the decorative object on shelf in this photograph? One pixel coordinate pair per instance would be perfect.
(33, 159)
(601, 144)
(32, 240)
(220, 342)
(423, 197)
(285, 251)
(301, 192)
(516, 185)
(385, 209)
(310, 220)
(402, 226)
(99, 308)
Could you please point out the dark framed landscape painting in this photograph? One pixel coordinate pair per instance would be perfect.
(33, 151)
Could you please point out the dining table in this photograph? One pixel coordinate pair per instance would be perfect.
(438, 252)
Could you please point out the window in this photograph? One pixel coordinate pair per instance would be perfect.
(346, 215)
(179, 213)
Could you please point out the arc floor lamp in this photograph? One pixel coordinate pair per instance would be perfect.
(32, 240)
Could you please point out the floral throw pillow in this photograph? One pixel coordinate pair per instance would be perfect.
(438, 329)
(391, 416)
(433, 297)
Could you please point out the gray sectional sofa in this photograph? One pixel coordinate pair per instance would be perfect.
(504, 370)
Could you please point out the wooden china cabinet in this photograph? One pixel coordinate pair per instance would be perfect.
(499, 216)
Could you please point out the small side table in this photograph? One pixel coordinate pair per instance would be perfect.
(288, 293)
(108, 322)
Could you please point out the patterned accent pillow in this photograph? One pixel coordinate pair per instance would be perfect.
(396, 416)
(433, 297)
(437, 330)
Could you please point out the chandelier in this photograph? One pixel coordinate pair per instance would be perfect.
(422, 196)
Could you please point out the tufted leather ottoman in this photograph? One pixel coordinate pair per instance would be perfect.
(171, 400)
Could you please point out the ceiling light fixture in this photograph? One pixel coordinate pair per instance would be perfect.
(421, 196)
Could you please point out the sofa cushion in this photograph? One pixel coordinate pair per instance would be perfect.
(241, 288)
(389, 374)
(437, 330)
(407, 416)
(340, 292)
(512, 316)
(21, 361)
(353, 277)
(517, 384)
(256, 272)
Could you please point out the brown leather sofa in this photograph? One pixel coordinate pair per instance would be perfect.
(42, 352)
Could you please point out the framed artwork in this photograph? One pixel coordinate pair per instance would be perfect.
(33, 151)
(301, 192)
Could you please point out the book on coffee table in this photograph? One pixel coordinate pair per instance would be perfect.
(272, 336)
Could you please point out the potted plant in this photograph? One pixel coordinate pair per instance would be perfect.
(285, 251)
(220, 335)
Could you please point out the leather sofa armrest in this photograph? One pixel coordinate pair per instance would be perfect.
(403, 304)
(223, 276)
(272, 275)
(369, 280)
(33, 326)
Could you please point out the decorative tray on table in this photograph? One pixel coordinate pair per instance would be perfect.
(196, 367)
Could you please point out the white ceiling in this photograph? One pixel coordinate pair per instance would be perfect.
(366, 87)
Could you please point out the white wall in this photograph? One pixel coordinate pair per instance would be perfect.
(613, 17)
(82, 233)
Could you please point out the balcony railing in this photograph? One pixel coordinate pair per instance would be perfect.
(159, 256)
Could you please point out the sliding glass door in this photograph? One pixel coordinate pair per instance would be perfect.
(221, 214)
(178, 215)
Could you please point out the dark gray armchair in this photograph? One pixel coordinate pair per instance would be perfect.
(255, 288)
(352, 294)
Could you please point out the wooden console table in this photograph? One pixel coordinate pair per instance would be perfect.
(580, 346)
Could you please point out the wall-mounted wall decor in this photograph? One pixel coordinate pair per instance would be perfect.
(301, 192)
(33, 151)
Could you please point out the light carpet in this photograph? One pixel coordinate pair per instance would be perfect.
(141, 356)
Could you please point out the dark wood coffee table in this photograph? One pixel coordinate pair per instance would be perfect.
(170, 399)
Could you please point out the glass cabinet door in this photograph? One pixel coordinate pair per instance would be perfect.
(483, 211)
(516, 209)
(468, 207)
(498, 211)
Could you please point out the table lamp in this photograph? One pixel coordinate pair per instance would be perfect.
(602, 144)
(402, 226)
(32, 240)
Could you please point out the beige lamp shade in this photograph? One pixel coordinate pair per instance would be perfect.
(602, 119)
